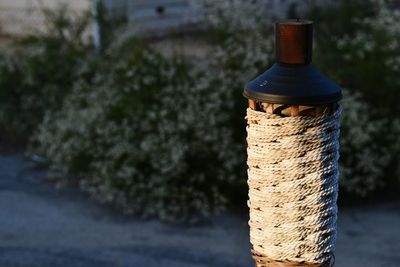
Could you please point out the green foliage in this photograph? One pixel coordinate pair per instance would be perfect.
(362, 38)
(156, 136)
(39, 71)
(145, 137)
(363, 159)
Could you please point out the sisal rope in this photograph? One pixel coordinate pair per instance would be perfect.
(293, 186)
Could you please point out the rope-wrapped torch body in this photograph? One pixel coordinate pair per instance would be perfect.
(293, 186)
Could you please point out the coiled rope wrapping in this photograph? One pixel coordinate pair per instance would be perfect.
(293, 186)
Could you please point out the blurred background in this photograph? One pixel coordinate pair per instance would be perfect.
(122, 131)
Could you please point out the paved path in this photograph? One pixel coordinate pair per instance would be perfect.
(44, 227)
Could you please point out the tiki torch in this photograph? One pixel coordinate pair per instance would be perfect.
(293, 150)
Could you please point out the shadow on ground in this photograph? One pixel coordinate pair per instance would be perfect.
(41, 226)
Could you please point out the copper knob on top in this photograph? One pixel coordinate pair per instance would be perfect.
(294, 41)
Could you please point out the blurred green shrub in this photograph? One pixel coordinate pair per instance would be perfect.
(363, 159)
(157, 136)
(357, 42)
(37, 71)
(147, 137)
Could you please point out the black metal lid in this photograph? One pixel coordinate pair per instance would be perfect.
(293, 80)
(293, 85)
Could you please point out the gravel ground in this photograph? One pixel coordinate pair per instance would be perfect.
(41, 226)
